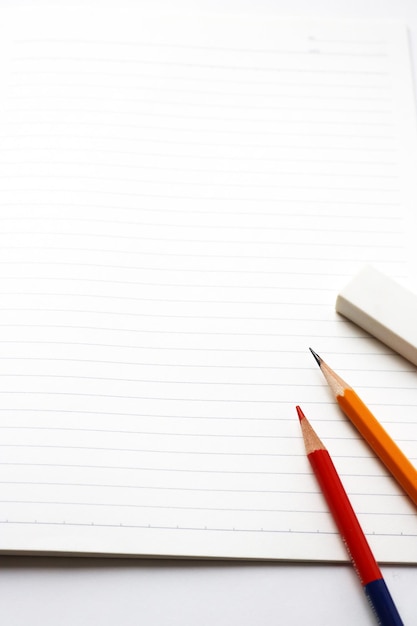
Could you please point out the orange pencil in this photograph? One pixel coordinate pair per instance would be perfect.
(371, 430)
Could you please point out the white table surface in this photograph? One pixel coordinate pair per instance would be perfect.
(79, 591)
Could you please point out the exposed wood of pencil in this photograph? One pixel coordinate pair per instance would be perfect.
(312, 441)
(371, 430)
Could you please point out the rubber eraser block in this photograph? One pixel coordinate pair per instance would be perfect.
(383, 308)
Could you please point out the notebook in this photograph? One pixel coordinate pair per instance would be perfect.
(182, 198)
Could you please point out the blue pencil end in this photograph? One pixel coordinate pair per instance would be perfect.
(382, 604)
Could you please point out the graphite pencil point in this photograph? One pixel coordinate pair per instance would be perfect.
(316, 356)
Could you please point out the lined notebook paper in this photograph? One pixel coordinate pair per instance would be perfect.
(181, 199)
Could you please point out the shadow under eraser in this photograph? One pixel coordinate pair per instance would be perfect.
(383, 308)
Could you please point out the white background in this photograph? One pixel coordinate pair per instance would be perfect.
(51, 591)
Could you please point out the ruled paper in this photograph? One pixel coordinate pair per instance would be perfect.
(181, 199)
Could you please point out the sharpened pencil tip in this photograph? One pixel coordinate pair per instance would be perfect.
(301, 415)
(316, 356)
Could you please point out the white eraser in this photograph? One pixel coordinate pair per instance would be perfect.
(383, 308)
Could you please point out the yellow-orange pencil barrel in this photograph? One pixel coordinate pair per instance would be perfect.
(371, 430)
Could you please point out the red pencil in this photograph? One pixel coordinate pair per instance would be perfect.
(349, 528)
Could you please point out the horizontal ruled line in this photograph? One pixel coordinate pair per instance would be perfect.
(296, 243)
(151, 415)
(162, 332)
(200, 66)
(212, 92)
(161, 268)
(161, 433)
(203, 529)
(128, 397)
(207, 170)
(229, 133)
(212, 210)
(275, 401)
(195, 490)
(118, 251)
(254, 199)
(194, 105)
(203, 157)
(36, 72)
(164, 348)
(189, 508)
(169, 508)
(308, 41)
(149, 451)
(202, 418)
(216, 184)
(181, 470)
(220, 227)
(165, 364)
(149, 487)
(159, 381)
(153, 284)
(166, 316)
(150, 433)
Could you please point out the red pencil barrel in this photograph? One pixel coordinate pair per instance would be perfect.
(344, 516)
